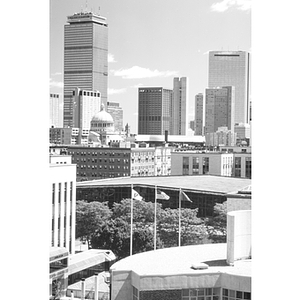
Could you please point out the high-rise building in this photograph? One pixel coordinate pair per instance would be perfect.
(179, 106)
(56, 110)
(219, 109)
(231, 68)
(85, 58)
(154, 110)
(117, 113)
(85, 105)
(199, 114)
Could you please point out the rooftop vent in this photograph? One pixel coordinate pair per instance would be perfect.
(199, 266)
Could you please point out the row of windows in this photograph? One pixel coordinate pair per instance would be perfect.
(87, 93)
(205, 294)
(96, 124)
(150, 118)
(95, 160)
(83, 153)
(102, 175)
(104, 167)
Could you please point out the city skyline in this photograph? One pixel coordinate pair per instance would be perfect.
(147, 46)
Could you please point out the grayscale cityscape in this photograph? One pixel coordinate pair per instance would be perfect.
(150, 150)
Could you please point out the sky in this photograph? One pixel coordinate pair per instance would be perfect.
(152, 41)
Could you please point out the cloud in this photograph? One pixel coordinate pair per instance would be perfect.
(115, 91)
(224, 5)
(139, 72)
(58, 84)
(136, 86)
(111, 58)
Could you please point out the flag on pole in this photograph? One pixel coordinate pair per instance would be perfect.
(162, 195)
(136, 195)
(185, 197)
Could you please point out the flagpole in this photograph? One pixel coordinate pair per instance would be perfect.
(179, 227)
(155, 196)
(131, 220)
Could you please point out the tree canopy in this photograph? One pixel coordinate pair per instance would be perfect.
(107, 228)
(217, 224)
(89, 217)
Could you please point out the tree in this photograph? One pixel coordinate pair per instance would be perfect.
(89, 217)
(217, 224)
(114, 232)
(113, 235)
(193, 229)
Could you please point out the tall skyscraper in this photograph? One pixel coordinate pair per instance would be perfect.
(179, 106)
(219, 109)
(231, 68)
(85, 105)
(85, 58)
(56, 110)
(154, 110)
(199, 114)
(117, 113)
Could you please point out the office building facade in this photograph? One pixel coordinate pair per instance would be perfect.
(180, 106)
(117, 113)
(199, 114)
(85, 105)
(219, 108)
(69, 136)
(231, 68)
(63, 184)
(55, 110)
(154, 110)
(191, 162)
(222, 137)
(85, 58)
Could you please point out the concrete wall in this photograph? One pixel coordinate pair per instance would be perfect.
(236, 282)
(238, 203)
(238, 235)
(121, 285)
(169, 286)
(181, 281)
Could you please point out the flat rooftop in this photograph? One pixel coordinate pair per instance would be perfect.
(178, 261)
(199, 183)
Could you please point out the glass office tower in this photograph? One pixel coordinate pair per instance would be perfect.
(231, 68)
(85, 58)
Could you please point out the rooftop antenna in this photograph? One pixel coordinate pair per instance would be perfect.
(85, 5)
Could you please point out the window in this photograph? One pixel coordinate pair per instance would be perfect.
(185, 166)
(235, 295)
(135, 293)
(205, 165)
(201, 294)
(248, 167)
(195, 165)
(53, 193)
(237, 166)
(59, 197)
